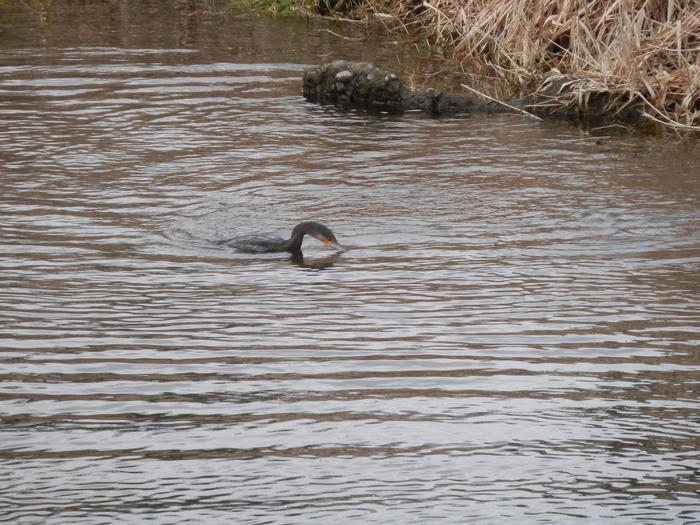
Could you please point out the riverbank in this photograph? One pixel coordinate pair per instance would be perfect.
(572, 55)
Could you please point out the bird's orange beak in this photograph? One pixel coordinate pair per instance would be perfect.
(331, 242)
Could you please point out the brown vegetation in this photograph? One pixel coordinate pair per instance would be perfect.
(641, 52)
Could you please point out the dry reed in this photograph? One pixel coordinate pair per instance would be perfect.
(641, 52)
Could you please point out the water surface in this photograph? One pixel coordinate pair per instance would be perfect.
(513, 334)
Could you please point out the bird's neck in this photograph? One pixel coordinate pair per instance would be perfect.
(294, 243)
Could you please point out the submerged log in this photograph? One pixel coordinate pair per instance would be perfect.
(361, 84)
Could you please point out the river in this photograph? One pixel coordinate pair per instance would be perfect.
(513, 334)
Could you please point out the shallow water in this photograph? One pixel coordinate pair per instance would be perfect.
(513, 333)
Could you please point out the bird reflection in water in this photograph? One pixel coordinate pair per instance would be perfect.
(314, 263)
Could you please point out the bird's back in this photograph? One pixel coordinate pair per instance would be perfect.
(255, 244)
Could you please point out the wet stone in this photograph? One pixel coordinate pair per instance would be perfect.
(344, 76)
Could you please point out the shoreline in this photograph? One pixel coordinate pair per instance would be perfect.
(588, 59)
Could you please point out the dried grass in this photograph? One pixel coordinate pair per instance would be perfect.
(644, 52)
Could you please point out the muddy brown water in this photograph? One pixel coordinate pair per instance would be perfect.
(512, 336)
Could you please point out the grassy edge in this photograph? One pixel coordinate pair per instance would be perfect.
(642, 53)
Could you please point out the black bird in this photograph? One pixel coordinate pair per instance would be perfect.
(261, 244)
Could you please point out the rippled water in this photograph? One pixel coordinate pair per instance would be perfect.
(513, 334)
